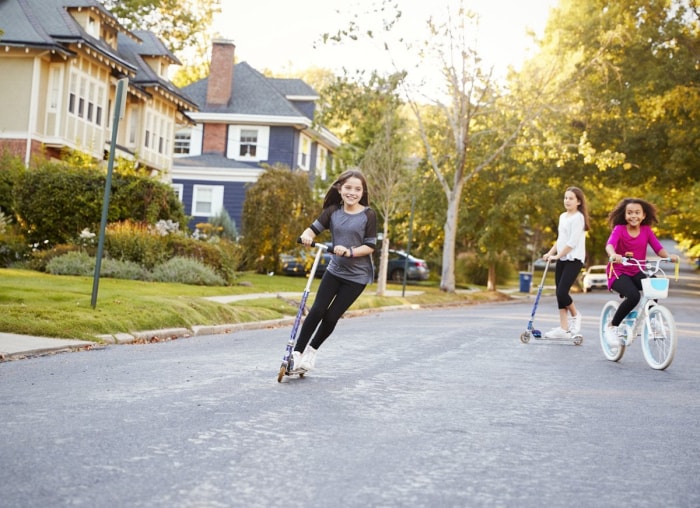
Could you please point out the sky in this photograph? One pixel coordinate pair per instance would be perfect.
(279, 35)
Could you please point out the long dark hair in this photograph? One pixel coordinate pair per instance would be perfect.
(333, 195)
(617, 216)
(582, 207)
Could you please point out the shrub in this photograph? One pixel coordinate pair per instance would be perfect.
(223, 256)
(14, 247)
(11, 168)
(56, 202)
(473, 268)
(186, 271)
(136, 242)
(117, 269)
(72, 263)
(39, 259)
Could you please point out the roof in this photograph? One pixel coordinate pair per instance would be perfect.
(253, 94)
(48, 24)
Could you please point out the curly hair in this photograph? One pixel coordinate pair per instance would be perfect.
(617, 216)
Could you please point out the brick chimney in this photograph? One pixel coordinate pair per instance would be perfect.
(220, 72)
(219, 89)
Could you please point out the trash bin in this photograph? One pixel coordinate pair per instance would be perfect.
(525, 282)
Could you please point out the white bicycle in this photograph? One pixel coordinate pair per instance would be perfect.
(652, 321)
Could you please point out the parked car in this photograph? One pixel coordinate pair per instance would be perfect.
(299, 262)
(595, 277)
(417, 268)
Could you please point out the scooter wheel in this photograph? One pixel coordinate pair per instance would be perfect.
(283, 369)
(525, 337)
(578, 340)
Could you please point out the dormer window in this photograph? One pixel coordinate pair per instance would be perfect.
(92, 27)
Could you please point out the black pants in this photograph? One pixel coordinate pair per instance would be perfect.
(629, 288)
(565, 275)
(334, 297)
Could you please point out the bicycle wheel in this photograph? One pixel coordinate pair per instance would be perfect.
(659, 341)
(611, 353)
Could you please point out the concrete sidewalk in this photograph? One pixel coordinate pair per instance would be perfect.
(15, 346)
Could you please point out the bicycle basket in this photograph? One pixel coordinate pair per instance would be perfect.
(655, 287)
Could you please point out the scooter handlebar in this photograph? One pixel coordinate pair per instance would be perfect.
(321, 246)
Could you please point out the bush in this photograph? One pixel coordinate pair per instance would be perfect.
(72, 263)
(471, 268)
(11, 168)
(223, 256)
(39, 259)
(55, 202)
(137, 243)
(14, 247)
(116, 269)
(186, 271)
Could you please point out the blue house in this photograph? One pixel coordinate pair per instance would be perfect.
(243, 120)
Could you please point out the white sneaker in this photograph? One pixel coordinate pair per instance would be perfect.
(308, 359)
(557, 333)
(575, 324)
(295, 361)
(611, 336)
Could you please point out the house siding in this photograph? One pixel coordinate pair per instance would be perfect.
(282, 146)
(234, 195)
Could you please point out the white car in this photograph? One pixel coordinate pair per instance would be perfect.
(595, 277)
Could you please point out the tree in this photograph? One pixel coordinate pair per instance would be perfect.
(276, 209)
(183, 25)
(638, 101)
(367, 116)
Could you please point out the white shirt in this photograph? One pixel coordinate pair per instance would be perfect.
(573, 234)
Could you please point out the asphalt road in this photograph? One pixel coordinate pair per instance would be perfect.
(432, 407)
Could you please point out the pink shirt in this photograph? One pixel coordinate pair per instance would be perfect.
(624, 243)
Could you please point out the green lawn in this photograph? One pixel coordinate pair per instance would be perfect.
(34, 303)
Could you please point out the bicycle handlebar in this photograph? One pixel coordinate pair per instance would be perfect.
(649, 267)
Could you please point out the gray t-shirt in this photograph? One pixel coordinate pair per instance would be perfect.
(350, 230)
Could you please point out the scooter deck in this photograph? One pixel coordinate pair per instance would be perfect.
(527, 335)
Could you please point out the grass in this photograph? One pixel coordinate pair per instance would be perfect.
(34, 303)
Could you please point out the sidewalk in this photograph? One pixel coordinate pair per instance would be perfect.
(15, 346)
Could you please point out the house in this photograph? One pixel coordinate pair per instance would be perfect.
(60, 61)
(244, 120)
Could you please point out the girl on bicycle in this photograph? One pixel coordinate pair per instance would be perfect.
(631, 222)
(570, 252)
(353, 227)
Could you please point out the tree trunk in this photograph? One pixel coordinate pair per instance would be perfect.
(491, 283)
(447, 282)
(383, 260)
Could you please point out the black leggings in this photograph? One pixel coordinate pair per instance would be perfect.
(334, 297)
(565, 275)
(629, 288)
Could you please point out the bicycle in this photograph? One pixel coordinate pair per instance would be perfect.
(652, 321)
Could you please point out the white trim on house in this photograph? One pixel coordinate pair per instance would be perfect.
(215, 174)
(232, 118)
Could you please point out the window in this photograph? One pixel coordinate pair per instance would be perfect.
(249, 143)
(244, 143)
(207, 200)
(304, 152)
(321, 162)
(85, 98)
(182, 142)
